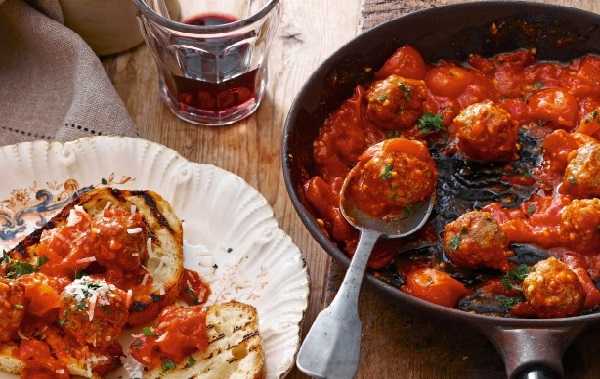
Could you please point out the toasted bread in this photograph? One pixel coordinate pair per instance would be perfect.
(165, 259)
(234, 351)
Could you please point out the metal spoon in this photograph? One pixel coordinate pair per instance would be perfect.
(332, 347)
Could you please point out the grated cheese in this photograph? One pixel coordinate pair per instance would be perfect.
(134, 230)
(133, 209)
(86, 260)
(90, 291)
(92, 307)
(162, 337)
(74, 216)
(145, 280)
(129, 296)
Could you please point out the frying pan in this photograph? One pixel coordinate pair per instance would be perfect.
(530, 348)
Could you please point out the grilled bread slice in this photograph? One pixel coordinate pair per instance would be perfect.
(165, 259)
(234, 351)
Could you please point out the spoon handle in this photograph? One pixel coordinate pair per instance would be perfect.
(332, 347)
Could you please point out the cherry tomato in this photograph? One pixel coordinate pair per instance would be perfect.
(448, 80)
(435, 286)
(406, 62)
(554, 105)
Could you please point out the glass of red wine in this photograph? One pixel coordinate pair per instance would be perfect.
(211, 55)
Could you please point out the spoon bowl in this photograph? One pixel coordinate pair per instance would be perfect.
(388, 226)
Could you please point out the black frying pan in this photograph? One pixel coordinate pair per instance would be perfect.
(530, 348)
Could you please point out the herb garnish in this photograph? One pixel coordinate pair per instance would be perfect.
(387, 171)
(538, 85)
(392, 134)
(455, 242)
(531, 208)
(148, 331)
(512, 279)
(430, 123)
(382, 98)
(167, 365)
(190, 362)
(406, 90)
(41, 260)
(16, 269)
(507, 301)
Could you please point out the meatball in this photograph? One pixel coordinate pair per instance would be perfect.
(435, 286)
(582, 176)
(485, 131)
(94, 311)
(553, 290)
(590, 124)
(395, 102)
(391, 176)
(475, 240)
(579, 225)
(11, 309)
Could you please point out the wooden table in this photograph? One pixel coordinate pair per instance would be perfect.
(397, 343)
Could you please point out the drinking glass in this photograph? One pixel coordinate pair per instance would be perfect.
(211, 55)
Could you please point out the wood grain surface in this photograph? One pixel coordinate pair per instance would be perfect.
(397, 342)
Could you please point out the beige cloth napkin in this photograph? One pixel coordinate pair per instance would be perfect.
(52, 85)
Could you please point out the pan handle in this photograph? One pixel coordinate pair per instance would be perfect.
(532, 353)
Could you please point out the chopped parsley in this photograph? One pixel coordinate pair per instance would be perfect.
(382, 98)
(168, 365)
(104, 181)
(392, 134)
(538, 85)
(148, 331)
(190, 362)
(512, 279)
(387, 171)
(16, 269)
(455, 242)
(595, 114)
(41, 260)
(531, 208)
(430, 123)
(229, 249)
(80, 274)
(406, 90)
(507, 301)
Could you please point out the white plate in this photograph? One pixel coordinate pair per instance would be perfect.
(231, 236)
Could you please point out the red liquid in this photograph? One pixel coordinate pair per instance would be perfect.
(208, 96)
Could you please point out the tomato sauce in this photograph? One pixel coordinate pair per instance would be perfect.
(558, 102)
(177, 333)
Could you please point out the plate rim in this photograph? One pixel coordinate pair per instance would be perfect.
(217, 169)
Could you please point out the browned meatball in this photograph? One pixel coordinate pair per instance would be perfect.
(582, 176)
(579, 225)
(553, 290)
(484, 131)
(395, 102)
(475, 240)
(11, 308)
(94, 311)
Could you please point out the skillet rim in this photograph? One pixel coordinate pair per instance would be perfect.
(332, 249)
